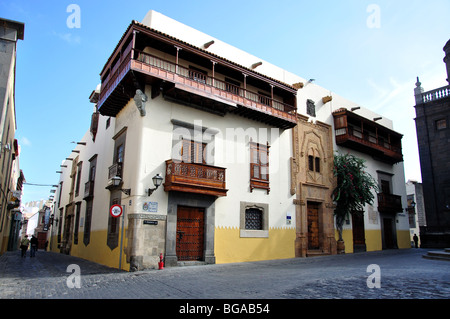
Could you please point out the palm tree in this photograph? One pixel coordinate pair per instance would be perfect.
(353, 190)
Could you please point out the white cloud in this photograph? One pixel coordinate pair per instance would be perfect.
(69, 38)
(24, 141)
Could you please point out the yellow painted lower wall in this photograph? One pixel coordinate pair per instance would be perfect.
(3, 244)
(97, 250)
(374, 241)
(403, 239)
(229, 247)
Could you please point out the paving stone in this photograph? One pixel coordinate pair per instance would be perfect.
(404, 274)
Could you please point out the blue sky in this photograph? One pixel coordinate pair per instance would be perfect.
(330, 41)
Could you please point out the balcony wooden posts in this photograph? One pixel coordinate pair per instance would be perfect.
(129, 62)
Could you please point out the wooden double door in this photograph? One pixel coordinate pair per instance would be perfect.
(313, 226)
(190, 233)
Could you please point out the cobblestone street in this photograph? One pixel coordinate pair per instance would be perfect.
(404, 274)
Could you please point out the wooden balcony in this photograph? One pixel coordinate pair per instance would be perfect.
(88, 190)
(364, 135)
(115, 170)
(389, 203)
(195, 178)
(129, 65)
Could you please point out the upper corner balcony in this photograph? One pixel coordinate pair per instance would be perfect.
(193, 77)
(367, 136)
(434, 95)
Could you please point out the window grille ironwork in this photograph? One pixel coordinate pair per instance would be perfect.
(253, 219)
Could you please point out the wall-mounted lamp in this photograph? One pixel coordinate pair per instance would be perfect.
(157, 181)
(116, 180)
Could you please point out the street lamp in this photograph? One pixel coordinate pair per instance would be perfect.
(116, 180)
(157, 181)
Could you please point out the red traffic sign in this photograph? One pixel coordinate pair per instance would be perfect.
(115, 210)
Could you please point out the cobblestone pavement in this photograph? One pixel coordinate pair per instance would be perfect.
(404, 274)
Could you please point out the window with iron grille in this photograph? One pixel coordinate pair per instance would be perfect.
(253, 219)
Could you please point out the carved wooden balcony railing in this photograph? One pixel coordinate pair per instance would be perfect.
(212, 86)
(389, 203)
(356, 132)
(195, 178)
(208, 92)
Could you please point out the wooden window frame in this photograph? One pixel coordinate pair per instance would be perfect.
(259, 163)
(78, 178)
(193, 152)
(77, 222)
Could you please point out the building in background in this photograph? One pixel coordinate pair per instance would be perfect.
(433, 136)
(11, 178)
(243, 149)
(416, 208)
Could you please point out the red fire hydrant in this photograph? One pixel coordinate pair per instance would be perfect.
(161, 263)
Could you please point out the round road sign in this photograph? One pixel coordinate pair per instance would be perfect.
(115, 210)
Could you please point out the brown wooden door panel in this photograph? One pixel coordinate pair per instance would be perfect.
(190, 233)
(388, 235)
(358, 229)
(313, 227)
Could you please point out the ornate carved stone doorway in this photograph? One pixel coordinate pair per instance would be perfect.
(312, 182)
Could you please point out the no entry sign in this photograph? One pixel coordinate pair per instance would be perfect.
(115, 210)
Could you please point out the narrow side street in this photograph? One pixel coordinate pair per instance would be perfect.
(403, 274)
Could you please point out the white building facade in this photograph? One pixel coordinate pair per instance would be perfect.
(216, 124)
